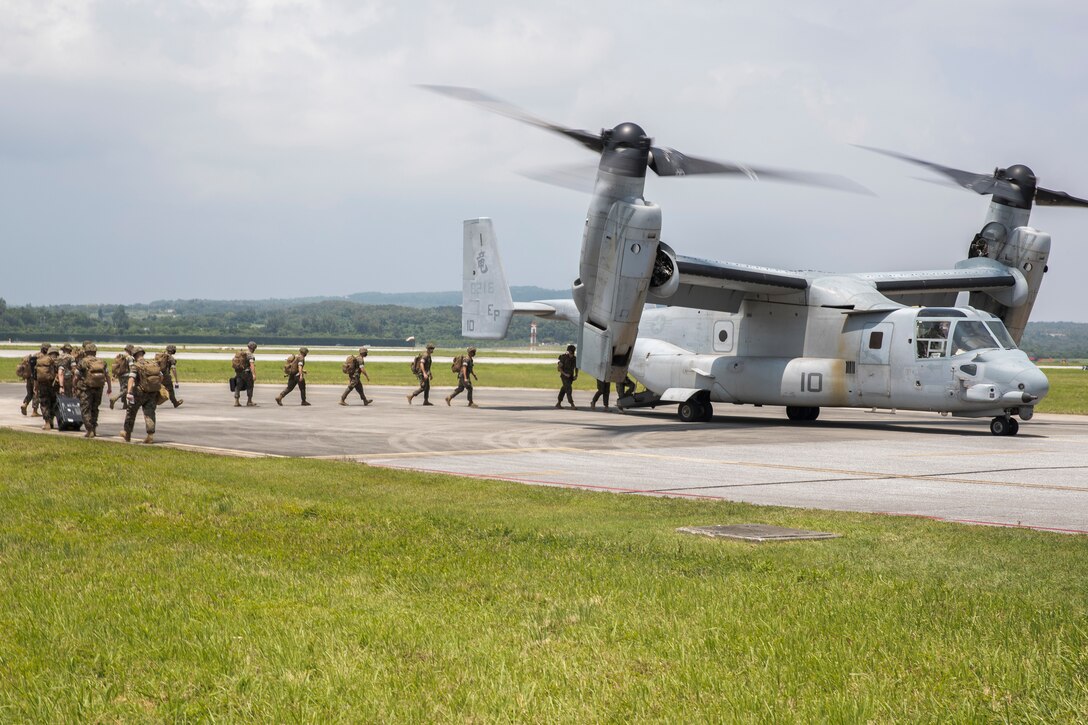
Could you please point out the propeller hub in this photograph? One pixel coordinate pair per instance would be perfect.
(626, 150)
(1025, 181)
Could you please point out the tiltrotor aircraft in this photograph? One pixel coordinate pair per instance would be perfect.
(742, 334)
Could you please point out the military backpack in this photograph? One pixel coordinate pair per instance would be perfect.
(417, 365)
(240, 361)
(148, 376)
(94, 371)
(350, 365)
(162, 359)
(45, 369)
(458, 362)
(23, 369)
(120, 365)
(291, 366)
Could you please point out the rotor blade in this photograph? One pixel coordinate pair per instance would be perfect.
(979, 183)
(1047, 197)
(592, 141)
(578, 177)
(666, 161)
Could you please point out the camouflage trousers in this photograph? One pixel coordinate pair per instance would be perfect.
(145, 402)
(463, 383)
(243, 382)
(90, 399)
(565, 390)
(424, 387)
(355, 383)
(168, 383)
(292, 382)
(31, 393)
(47, 401)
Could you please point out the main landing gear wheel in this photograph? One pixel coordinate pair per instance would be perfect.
(689, 411)
(802, 412)
(1004, 426)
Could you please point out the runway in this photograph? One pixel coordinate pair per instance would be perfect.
(904, 463)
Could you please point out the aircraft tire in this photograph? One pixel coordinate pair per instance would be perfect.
(802, 413)
(689, 411)
(1002, 426)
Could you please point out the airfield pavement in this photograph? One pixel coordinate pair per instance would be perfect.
(918, 464)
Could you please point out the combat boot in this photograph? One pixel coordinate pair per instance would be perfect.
(94, 433)
(473, 405)
(22, 408)
(87, 434)
(448, 399)
(150, 439)
(343, 402)
(410, 397)
(48, 425)
(237, 403)
(126, 436)
(305, 403)
(35, 413)
(178, 402)
(251, 404)
(113, 400)
(427, 402)
(279, 400)
(367, 401)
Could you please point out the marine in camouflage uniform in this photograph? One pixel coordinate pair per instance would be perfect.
(423, 375)
(170, 375)
(568, 373)
(31, 382)
(139, 400)
(296, 378)
(66, 364)
(464, 379)
(47, 390)
(603, 389)
(358, 370)
(90, 395)
(122, 379)
(246, 377)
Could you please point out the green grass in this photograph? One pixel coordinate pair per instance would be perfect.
(149, 584)
(1068, 392)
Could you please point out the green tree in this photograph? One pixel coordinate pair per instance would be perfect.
(120, 319)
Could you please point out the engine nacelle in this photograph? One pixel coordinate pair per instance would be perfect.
(1026, 250)
(628, 252)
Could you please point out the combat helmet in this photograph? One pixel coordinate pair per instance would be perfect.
(251, 345)
(171, 349)
(304, 351)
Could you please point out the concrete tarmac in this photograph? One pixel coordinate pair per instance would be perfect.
(918, 464)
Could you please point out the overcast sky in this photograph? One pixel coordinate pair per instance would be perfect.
(275, 148)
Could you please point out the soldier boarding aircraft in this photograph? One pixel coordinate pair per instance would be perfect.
(742, 334)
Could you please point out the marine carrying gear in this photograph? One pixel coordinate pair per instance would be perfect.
(350, 365)
(290, 367)
(45, 369)
(148, 376)
(240, 361)
(120, 365)
(94, 375)
(22, 369)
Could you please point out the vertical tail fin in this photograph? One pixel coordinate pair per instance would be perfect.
(486, 305)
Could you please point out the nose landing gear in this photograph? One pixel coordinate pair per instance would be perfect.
(1004, 426)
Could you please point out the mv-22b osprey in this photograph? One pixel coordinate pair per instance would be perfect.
(735, 333)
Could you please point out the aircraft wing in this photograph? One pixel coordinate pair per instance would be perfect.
(548, 309)
(940, 287)
(709, 285)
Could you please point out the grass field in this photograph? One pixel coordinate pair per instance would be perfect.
(150, 584)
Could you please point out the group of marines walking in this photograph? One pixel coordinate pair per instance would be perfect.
(143, 383)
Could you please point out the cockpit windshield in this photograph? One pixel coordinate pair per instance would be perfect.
(997, 327)
(969, 335)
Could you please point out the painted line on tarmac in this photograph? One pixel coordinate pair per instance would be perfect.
(370, 457)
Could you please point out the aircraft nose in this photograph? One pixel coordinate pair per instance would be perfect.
(1034, 384)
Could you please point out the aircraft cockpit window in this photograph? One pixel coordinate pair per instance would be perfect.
(1001, 333)
(931, 338)
(970, 335)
